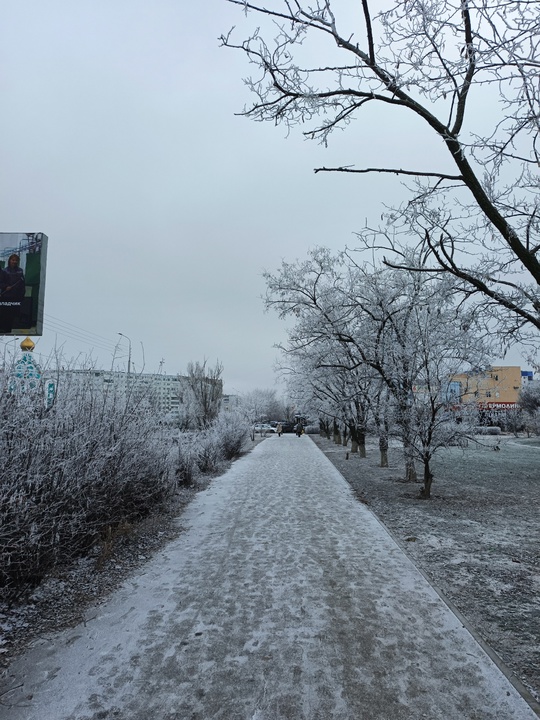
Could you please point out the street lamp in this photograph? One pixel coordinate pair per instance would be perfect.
(129, 352)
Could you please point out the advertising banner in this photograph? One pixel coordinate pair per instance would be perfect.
(497, 405)
(23, 262)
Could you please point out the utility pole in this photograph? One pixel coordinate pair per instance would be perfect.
(129, 353)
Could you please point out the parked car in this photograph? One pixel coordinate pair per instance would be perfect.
(263, 428)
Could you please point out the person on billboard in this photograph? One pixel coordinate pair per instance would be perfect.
(12, 290)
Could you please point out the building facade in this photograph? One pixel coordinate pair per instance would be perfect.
(164, 391)
(496, 388)
(494, 391)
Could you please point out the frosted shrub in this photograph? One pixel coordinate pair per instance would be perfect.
(209, 451)
(232, 432)
(72, 473)
(223, 441)
(202, 451)
(98, 458)
(187, 458)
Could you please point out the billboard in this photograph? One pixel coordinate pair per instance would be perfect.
(23, 262)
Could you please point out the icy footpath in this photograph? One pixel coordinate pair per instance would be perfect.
(284, 599)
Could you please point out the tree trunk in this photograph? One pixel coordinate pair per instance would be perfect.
(324, 428)
(410, 469)
(354, 439)
(425, 492)
(337, 434)
(383, 447)
(358, 441)
(362, 444)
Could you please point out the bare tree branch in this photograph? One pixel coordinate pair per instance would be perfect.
(428, 59)
(394, 171)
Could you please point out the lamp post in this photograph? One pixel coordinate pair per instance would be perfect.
(129, 353)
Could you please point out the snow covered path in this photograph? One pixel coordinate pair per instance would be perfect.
(284, 599)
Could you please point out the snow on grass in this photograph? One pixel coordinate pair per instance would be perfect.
(477, 538)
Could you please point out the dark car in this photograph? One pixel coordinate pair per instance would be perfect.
(287, 427)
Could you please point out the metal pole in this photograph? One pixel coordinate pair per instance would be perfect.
(129, 353)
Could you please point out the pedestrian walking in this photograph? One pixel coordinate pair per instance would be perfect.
(279, 429)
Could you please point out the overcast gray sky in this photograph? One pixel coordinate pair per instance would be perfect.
(163, 208)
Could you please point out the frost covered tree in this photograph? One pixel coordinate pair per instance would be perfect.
(403, 326)
(466, 72)
(411, 333)
(201, 396)
(262, 405)
(379, 404)
(529, 402)
(337, 395)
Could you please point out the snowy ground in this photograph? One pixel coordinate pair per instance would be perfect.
(285, 598)
(477, 539)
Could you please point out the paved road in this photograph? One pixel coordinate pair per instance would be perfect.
(284, 599)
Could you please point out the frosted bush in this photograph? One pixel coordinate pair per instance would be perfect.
(187, 458)
(232, 433)
(202, 451)
(71, 473)
(209, 451)
(224, 440)
(94, 460)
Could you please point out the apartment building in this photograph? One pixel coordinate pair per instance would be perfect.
(496, 388)
(495, 391)
(166, 391)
